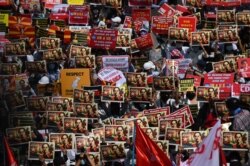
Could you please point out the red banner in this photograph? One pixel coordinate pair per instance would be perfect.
(78, 14)
(181, 8)
(144, 42)
(102, 38)
(140, 3)
(245, 1)
(225, 93)
(5, 2)
(197, 79)
(59, 16)
(238, 89)
(141, 14)
(187, 22)
(224, 3)
(219, 79)
(160, 24)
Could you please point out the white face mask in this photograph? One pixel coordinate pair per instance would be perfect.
(82, 162)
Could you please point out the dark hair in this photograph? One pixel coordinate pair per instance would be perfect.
(232, 104)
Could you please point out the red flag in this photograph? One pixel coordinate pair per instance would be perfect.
(11, 161)
(147, 152)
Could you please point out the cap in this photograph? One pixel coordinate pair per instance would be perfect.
(30, 58)
(44, 80)
(116, 19)
(149, 65)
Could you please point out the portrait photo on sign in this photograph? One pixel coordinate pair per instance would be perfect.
(173, 135)
(62, 140)
(112, 94)
(192, 139)
(116, 132)
(8, 84)
(113, 152)
(65, 102)
(152, 132)
(244, 67)
(136, 79)
(178, 34)
(99, 132)
(89, 143)
(225, 66)
(18, 135)
(10, 68)
(75, 125)
(49, 43)
(36, 67)
(200, 38)
(95, 158)
(228, 36)
(141, 121)
(37, 103)
(15, 49)
(14, 100)
(153, 118)
(124, 37)
(225, 16)
(55, 54)
(41, 149)
(235, 140)
(163, 145)
(86, 110)
(167, 83)
(243, 18)
(213, 33)
(55, 118)
(140, 94)
(87, 61)
(79, 51)
(222, 111)
(83, 96)
(207, 93)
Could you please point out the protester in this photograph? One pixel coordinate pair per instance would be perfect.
(75, 68)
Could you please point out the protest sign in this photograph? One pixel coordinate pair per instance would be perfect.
(38, 149)
(235, 140)
(244, 67)
(140, 3)
(144, 42)
(73, 78)
(160, 24)
(62, 140)
(111, 75)
(78, 15)
(141, 14)
(187, 22)
(166, 10)
(197, 79)
(219, 79)
(186, 85)
(119, 62)
(102, 38)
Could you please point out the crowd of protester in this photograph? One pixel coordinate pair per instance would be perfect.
(17, 93)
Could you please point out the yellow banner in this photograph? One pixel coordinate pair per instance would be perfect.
(186, 85)
(4, 18)
(74, 79)
(75, 2)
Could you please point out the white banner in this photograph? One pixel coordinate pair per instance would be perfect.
(119, 62)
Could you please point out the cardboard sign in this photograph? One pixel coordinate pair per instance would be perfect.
(166, 10)
(187, 22)
(197, 79)
(144, 42)
(127, 22)
(141, 14)
(219, 79)
(186, 85)
(102, 38)
(75, 2)
(244, 67)
(140, 3)
(160, 24)
(243, 18)
(72, 79)
(78, 15)
(4, 18)
(117, 62)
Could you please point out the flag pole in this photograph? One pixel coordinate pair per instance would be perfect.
(133, 152)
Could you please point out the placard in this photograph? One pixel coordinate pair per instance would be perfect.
(102, 38)
(186, 85)
(72, 79)
(187, 22)
(160, 24)
(78, 15)
(119, 62)
(141, 14)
